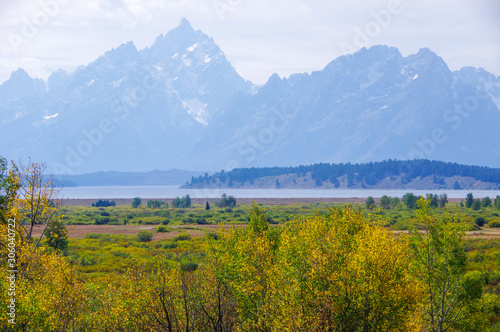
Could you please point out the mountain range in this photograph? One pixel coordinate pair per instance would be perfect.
(180, 104)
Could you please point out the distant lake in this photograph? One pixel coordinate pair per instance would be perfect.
(108, 192)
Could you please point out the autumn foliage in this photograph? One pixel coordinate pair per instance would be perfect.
(338, 271)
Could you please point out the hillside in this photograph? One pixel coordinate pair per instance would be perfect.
(389, 174)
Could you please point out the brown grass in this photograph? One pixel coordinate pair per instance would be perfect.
(79, 231)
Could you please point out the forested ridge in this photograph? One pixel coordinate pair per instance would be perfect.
(366, 173)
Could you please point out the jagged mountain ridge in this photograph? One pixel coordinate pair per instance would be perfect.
(180, 104)
(369, 106)
(148, 105)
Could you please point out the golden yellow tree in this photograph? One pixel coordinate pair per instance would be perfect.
(36, 200)
(43, 286)
(341, 273)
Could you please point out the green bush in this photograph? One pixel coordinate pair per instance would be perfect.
(480, 221)
(476, 205)
(169, 245)
(403, 225)
(182, 237)
(494, 278)
(102, 221)
(94, 236)
(201, 221)
(189, 266)
(212, 235)
(494, 224)
(162, 229)
(144, 236)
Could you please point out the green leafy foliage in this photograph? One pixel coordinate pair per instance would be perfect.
(136, 202)
(226, 201)
(144, 236)
(184, 202)
(370, 203)
(182, 237)
(155, 204)
(104, 203)
(410, 200)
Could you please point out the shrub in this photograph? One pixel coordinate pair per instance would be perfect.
(480, 221)
(162, 229)
(155, 204)
(201, 221)
(151, 222)
(88, 260)
(94, 236)
(102, 221)
(182, 237)
(476, 205)
(169, 245)
(494, 278)
(189, 266)
(212, 235)
(102, 203)
(165, 222)
(144, 236)
(486, 202)
(494, 224)
(403, 225)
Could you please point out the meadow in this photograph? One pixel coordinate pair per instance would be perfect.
(167, 265)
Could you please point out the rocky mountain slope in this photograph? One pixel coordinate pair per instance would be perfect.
(180, 104)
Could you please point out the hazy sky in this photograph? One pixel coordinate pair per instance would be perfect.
(258, 37)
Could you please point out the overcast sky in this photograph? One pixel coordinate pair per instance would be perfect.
(259, 37)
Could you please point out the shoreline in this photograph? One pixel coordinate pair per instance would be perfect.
(240, 201)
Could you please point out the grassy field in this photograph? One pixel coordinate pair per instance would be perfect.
(123, 219)
(96, 234)
(105, 243)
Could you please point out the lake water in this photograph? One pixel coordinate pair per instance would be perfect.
(109, 192)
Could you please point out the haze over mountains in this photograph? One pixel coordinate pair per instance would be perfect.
(180, 104)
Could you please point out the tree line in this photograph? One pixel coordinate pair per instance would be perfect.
(369, 173)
